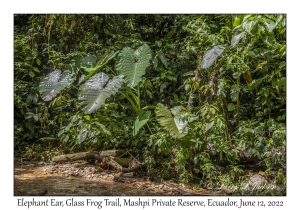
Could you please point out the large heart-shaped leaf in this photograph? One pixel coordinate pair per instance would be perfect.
(132, 64)
(180, 123)
(53, 83)
(93, 93)
(170, 123)
(211, 55)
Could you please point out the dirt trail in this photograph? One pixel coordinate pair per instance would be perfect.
(84, 179)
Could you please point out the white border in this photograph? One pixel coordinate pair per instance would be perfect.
(8, 8)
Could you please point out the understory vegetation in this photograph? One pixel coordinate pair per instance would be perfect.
(199, 98)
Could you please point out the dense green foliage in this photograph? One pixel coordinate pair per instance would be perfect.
(196, 95)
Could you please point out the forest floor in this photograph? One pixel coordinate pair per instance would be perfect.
(81, 178)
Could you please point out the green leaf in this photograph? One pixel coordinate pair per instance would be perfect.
(230, 107)
(106, 31)
(36, 69)
(158, 43)
(81, 136)
(29, 115)
(279, 18)
(53, 83)
(32, 74)
(88, 62)
(181, 124)
(249, 25)
(163, 59)
(35, 117)
(132, 64)
(93, 93)
(66, 139)
(237, 21)
(38, 62)
(270, 24)
(282, 64)
(74, 65)
(170, 33)
(140, 121)
(101, 63)
(211, 55)
(255, 83)
(252, 54)
(165, 119)
(32, 97)
(236, 75)
(87, 117)
(234, 92)
(279, 82)
(208, 126)
(237, 37)
(149, 93)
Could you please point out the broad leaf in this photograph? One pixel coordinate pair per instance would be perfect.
(234, 92)
(270, 24)
(237, 37)
(211, 55)
(101, 63)
(88, 62)
(82, 135)
(230, 107)
(93, 93)
(140, 121)
(32, 97)
(180, 123)
(53, 83)
(248, 26)
(279, 18)
(74, 65)
(207, 126)
(166, 119)
(132, 64)
(236, 22)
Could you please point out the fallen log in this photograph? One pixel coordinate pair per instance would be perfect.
(87, 155)
(105, 158)
(77, 156)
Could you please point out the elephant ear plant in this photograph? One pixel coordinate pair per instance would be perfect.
(54, 82)
(133, 64)
(174, 120)
(95, 91)
(96, 86)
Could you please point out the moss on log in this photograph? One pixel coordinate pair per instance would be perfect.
(87, 156)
